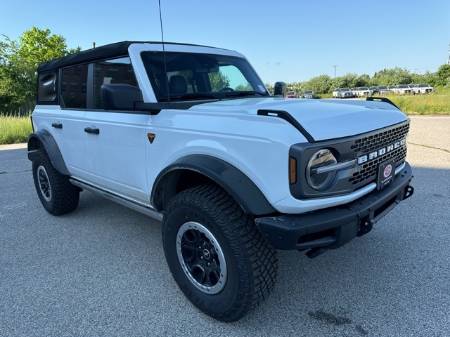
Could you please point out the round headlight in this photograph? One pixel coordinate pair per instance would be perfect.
(320, 181)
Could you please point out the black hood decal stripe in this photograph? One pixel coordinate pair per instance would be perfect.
(288, 118)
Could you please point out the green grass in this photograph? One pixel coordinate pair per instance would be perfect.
(14, 129)
(437, 103)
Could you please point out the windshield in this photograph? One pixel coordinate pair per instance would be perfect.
(190, 76)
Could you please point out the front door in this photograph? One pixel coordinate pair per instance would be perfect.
(116, 137)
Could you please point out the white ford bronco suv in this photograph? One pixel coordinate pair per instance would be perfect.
(190, 135)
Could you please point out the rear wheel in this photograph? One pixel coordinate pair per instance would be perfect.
(57, 194)
(216, 254)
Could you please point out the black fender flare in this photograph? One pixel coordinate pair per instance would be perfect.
(239, 186)
(42, 140)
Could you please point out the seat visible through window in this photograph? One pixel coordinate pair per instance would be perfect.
(178, 85)
(112, 74)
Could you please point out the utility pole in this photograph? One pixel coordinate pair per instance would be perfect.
(335, 66)
(448, 61)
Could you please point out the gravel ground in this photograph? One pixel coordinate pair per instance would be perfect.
(100, 271)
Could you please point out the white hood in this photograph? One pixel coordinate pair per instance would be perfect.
(322, 119)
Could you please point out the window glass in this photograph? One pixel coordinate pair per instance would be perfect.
(47, 87)
(114, 76)
(179, 76)
(73, 86)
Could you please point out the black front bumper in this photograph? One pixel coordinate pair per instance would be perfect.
(332, 227)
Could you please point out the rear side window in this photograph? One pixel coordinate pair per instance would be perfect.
(73, 86)
(112, 76)
(47, 89)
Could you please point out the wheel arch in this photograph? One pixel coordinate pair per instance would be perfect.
(193, 170)
(43, 141)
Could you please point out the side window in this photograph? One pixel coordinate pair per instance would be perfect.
(115, 85)
(73, 86)
(47, 90)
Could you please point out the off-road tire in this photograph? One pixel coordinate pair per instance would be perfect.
(250, 260)
(64, 196)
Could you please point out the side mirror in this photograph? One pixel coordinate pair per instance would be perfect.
(279, 89)
(120, 96)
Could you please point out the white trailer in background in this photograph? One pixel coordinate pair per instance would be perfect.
(421, 88)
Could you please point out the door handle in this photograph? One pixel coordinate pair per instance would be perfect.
(93, 131)
(57, 125)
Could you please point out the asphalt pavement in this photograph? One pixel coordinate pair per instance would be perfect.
(100, 271)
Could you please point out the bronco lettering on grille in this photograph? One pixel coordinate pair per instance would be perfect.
(375, 154)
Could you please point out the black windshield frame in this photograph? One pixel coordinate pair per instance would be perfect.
(196, 66)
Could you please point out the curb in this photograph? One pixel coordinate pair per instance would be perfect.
(13, 146)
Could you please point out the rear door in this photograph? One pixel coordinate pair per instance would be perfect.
(67, 127)
(116, 137)
(61, 112)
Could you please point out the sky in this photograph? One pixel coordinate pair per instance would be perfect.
(284, 40)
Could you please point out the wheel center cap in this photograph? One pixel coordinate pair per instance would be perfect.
(206, 254)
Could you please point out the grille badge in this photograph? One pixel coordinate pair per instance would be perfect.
(377, 153)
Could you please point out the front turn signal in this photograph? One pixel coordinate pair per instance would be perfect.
(292, 170)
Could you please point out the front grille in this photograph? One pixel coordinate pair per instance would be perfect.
(373, 142)
(367, 172)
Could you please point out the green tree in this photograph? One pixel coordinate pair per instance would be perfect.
(443, 75)
(319, 84)
(427, 78)
(19, 61)
(392, 76)
(218, 81)
(362, 80)
(346, 81)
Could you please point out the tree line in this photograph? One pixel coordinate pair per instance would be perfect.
(324, 84)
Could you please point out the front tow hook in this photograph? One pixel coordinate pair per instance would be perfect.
(409, 191)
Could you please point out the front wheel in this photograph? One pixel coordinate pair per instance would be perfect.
(216, 254)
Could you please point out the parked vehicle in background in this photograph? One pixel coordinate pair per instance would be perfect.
(421, 88)
(309, 94)
(345, 93)
(374, 90)
(402, 89)
(361, 92)
(383, 90)
(336, 92)
(291, 94)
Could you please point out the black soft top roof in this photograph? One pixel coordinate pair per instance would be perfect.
(107, 51)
